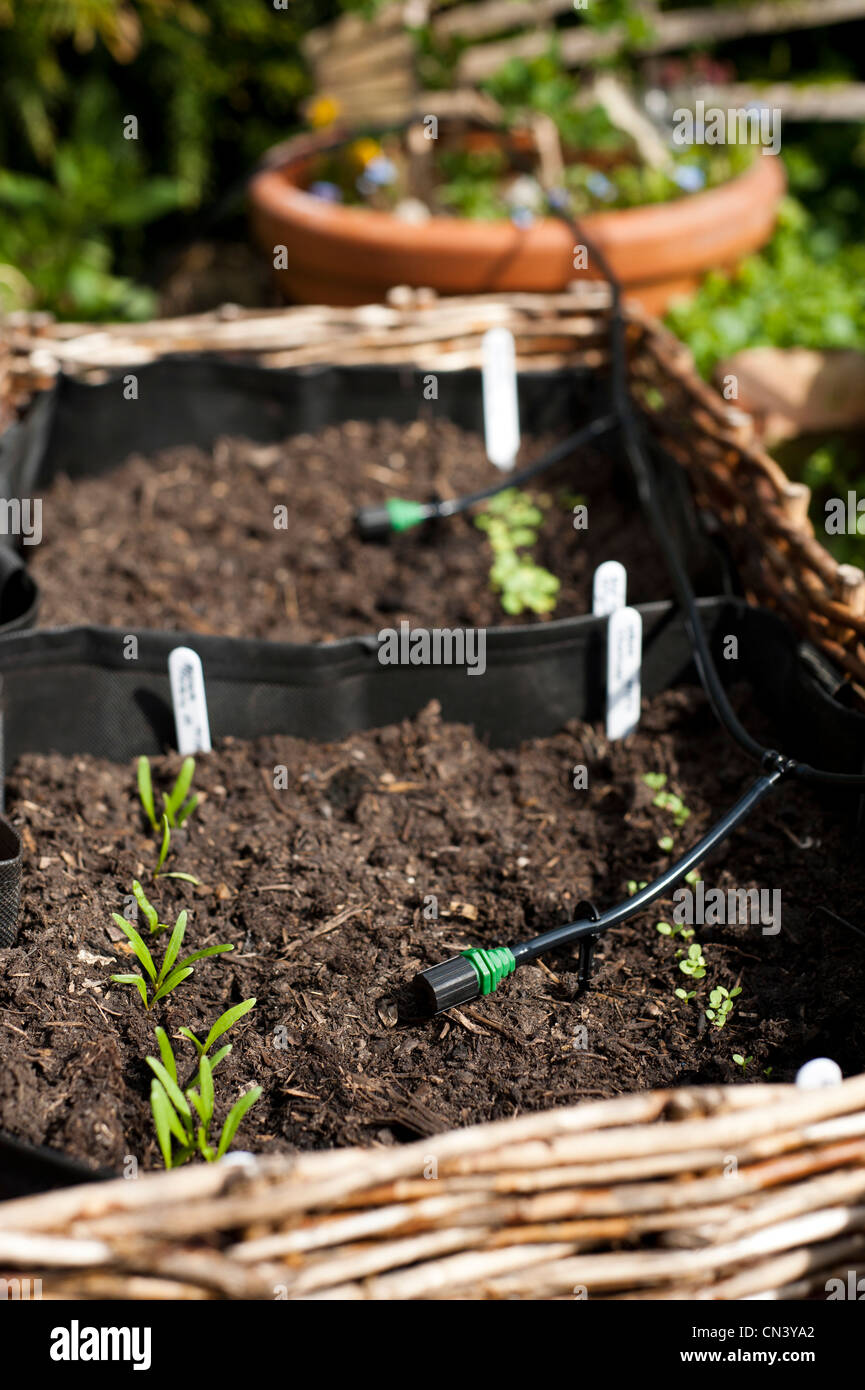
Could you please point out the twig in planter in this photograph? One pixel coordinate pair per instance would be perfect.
(169, 975)
(173, 1106)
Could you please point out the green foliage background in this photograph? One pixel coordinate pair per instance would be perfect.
(212, 84)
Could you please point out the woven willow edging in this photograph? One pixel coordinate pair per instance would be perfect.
(709, 1193)
(764, 514)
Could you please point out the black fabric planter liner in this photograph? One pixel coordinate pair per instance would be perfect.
(72, 691)
(85, 430)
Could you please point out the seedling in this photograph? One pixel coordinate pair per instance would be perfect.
(669, 801)
(655, 780)
(177, 808)
(742, 1061)
(163, 854)
(665, 929)
(686, 994)
(635, 887)
(721, 1005)
(148, 911)
(173, 1105)
(510, 521)
(172, 972)
(694, 963)
(666, 844)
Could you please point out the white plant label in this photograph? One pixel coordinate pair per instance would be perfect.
(186, 675)
(819, 1072)
(501, 403)
(609, 588)
(624, 659)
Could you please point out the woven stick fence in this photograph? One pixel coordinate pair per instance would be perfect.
(708, 1193)
(763, 513)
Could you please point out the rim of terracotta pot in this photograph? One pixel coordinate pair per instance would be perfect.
(672, 239)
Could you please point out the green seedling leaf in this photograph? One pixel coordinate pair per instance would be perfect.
(150, 914)
(200, 955)
(235, 1115)
(145, 791)
(165, 1120)
(666, 843)
(133, 980)
(138, 945)
(187, 878)
(172, 982)
(664, 928)
(205, 1073)
(188, 1033)
(187, 810)
(172, 950)
(175, 1095)
(166, 1053)
(179, 791)
(655, 780)
(204, 1148)
(226, 1021)
(166, 841)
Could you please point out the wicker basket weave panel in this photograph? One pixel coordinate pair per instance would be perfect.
(708, 1193)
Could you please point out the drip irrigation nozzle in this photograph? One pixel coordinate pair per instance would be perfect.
(475, 971)
(379, 521)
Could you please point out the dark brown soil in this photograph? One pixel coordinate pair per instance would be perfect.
(187, 540)
(322, 889)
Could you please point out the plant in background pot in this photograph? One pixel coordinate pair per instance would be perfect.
(464, 209)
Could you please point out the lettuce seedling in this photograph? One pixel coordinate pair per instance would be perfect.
(173, 1105)
(171, 972)
(511, 521)
(721, 1004)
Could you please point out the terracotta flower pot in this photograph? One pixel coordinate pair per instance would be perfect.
(351, 255)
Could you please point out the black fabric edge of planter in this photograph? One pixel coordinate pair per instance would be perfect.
(72, 691)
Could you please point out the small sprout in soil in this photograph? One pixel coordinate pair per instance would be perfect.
(655, 780)
(665, 929)
(163, 854)
(666, 844)
(694, 964)
(510, 520)
(742, 1061)
(694, 877)
(172, 972)
(148, 911)
(669, 801)
(686, 994)
(721, 1005)
(177, 808)
(634, 886)
(173, 1107)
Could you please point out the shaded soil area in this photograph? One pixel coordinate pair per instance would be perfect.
(384, 854)
(187, 540)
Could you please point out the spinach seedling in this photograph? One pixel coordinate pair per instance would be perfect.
(173, 1105)
(171, 972)
(158, 872)
(721, 1004)
(177, 808)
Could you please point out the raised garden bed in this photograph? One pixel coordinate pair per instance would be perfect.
(322, 889)
(189, 540)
